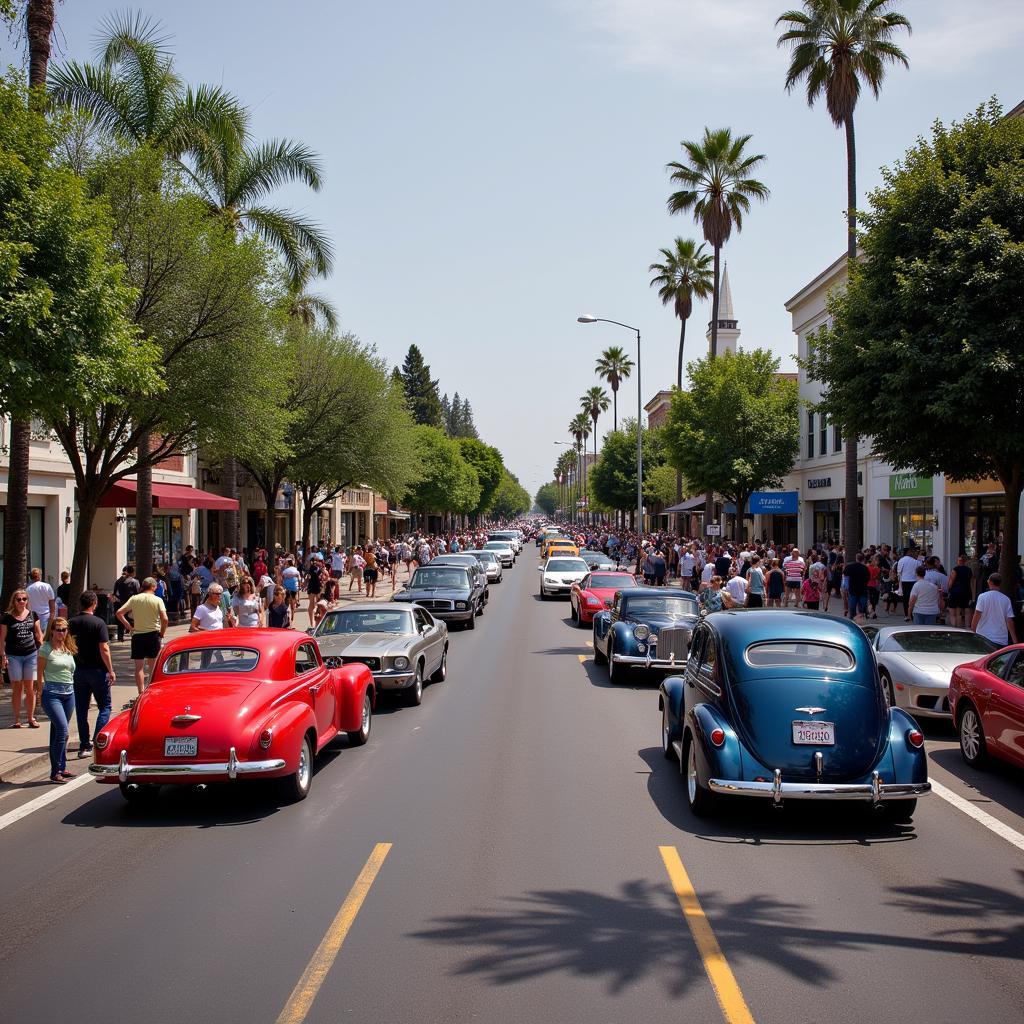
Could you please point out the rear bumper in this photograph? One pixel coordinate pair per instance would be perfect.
(231, 769)
(924, 701)
(874, 791)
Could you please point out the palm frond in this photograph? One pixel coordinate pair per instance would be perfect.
(263, 168)
(299, 241)
(209, 124)
(99, 95)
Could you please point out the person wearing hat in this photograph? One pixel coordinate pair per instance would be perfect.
(149, 615)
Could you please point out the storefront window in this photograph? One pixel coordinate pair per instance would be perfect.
(168, 532)
(35, 541)
(981, 523)
(912, 523)
(826, 522)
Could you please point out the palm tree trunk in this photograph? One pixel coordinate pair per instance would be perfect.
(144, 511)
(39, 19)
(851, 515)
(615, 405)
(16, 524)
(229, 485)
(679, 385)
(709, 497)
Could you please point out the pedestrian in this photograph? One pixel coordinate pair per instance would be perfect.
(314, 585)
(874, 585)
(370, 573)
(793, 566)
(812, 593)
(959, 599)
(94, 671)
(41, 598)
(278, 613)
(356, 563)
(125, 588)
(906, 569)
(776, 584)
(20, 639)
(338, 562)
(925, 600)
(63, 593)
(149, 623)
(55, 675)
(857, 577)
(209, 615)
(737, 589)
(755, 584)
(290, 577)
(714, 599)
(993, 614)
(246, 610)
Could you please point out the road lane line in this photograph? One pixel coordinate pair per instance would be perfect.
(582, 658)
(1012, 836)
(727, 991)
(316, 971)
(42, 801)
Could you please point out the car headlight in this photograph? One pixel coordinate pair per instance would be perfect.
(641, 648)
(461, 606)
(594, 602)
(641, 632)
(401, 663)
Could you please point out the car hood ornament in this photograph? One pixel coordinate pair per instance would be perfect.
(810, 711)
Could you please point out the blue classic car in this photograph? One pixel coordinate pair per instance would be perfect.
(788, 706)
(645, 627)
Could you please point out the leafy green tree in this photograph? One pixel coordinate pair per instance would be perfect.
(511, 499)
(736, 429)
(421, 390)
(489, 466)
(924, 351)
(660, 484)
(613, 478)
(447, 483)
(836, 45)
(546, 498)
(614, 366)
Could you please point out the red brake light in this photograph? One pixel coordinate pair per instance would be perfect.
(718, 737)
(265, 738)
(101, 741)
(915, 738)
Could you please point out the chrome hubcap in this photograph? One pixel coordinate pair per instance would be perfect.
(691, 774)
(969, 738)
(664, 731)
(366, 714)
(304, 766)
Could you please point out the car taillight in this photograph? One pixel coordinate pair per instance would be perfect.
(265, 738)
(915, 738)
(101, 741)
(718, 737)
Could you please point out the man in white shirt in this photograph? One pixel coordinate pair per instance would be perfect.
(906, 568)
(705, 575)
(737, 588)
(993, 614)
(41, 598)
(209, 615)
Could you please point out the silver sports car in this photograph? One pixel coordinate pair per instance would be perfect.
(915, 663)
(402, 646)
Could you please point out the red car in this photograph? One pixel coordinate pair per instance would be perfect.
(986, 699)
(230, 704)
(588, 596)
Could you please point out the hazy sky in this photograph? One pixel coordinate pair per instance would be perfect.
(494, 170)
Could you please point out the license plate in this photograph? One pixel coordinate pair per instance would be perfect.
(814, 734)
(181, 746)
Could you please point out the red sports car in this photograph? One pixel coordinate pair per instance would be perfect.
(986, 699)
(588, 596)
(230, 704)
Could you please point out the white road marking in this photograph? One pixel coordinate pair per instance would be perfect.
(1012, 836)
(11, 817)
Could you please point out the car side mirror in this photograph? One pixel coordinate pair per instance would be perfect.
(607, 602)
(540, 568)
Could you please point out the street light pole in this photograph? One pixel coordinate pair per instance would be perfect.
(639, 413)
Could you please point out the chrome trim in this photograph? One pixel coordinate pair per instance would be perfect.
(874, 791)
(811, 711)
(185, 719)
(646, 661)
(819, 760)
(232, 769)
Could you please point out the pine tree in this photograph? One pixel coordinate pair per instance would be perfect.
(467, 428)
(446, 413)
(420, 391)
(454, 416)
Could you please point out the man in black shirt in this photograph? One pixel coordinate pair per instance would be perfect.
(94, 673)
(858, 575)
(125, 587)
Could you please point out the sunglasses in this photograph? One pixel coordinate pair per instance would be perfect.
(21, 599)
(60, 629)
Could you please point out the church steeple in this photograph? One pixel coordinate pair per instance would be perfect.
(728, 325)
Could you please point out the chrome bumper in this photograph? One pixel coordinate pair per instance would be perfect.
(392, 680)
(646, 661)
(874, 791)
(232, 768)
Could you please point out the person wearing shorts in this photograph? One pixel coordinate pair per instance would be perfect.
(20, 638)
(290, 581)
(370, 573)
(149, 623)
(776, 583)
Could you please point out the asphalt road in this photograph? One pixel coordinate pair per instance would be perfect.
(526, 802)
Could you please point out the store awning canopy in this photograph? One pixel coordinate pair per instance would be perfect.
(123, 495)
(395, 513)
(690, 505)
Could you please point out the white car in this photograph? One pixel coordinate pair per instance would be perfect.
(509, 536)
(558, 574)
(491, 562)
(503, 550)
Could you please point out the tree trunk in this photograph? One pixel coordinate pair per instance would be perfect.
(709, 497)
(307, 519)
(39, 19)
(679, 385)
(270, 533)
(851, 517)
(144, 511)
(615, 406)
(16, 523)
(1009, 554)
(88, 505)
(232, 536)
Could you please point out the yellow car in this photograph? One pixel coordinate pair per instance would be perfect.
(565, 549)
(548, 541)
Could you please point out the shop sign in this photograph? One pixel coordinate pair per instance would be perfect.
(819, 481)
(774, 503)
(986, 486)
(713, 529)
(909, 485)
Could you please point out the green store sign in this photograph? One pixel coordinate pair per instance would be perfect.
(907, 485)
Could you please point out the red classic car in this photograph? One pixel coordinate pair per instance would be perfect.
(986, 700)
(588, 596)
(234, 704)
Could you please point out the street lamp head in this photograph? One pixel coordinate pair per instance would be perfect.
(586, 319)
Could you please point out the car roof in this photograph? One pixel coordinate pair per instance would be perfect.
(909, 627)
(655, 591)
(276, 646)
(758, 625)
(369, 606)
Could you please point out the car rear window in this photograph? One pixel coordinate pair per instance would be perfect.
(211, 659)
(939, 641)
(800, 654)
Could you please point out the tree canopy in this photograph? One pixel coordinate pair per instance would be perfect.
(448, 482)
(612, 479)
(421, 390)
(511, 499)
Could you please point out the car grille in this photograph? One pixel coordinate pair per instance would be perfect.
(673, 640)
(437, 606)
(371, 663)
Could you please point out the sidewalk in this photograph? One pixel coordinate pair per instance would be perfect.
(24, 752)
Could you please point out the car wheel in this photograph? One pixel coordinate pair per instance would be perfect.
(414, 693)
(599, 656)
(362, 734)
(573, 614)
(543, 596)
(442, 669)
(480, 607)
(900, 812)
(296, 786)
(972, 737)
(138, 792)
(887, 688)
(666, 736)
(701, 800)
(471, 621)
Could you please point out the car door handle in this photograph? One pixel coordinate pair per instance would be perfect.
(315, 689)
(987, 693)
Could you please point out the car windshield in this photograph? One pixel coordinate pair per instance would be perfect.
(440, 577)
(495, 545)
(566, 565)
(673, 607)
(595, 558)
(799, 654)
(365, 622)
(211, 659)
(939, 641)
(487, 556)
(609, 581)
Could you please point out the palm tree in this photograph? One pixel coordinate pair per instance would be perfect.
(579, 428)
(305, 307)
(686, 274)
(717, 187)
(614, 366)
(593, 402)
(835, 46)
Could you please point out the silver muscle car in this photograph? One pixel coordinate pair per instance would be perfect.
(402, 646)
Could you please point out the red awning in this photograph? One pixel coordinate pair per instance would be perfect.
(122, 495)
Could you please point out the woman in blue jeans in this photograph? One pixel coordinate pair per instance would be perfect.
(56, 676)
